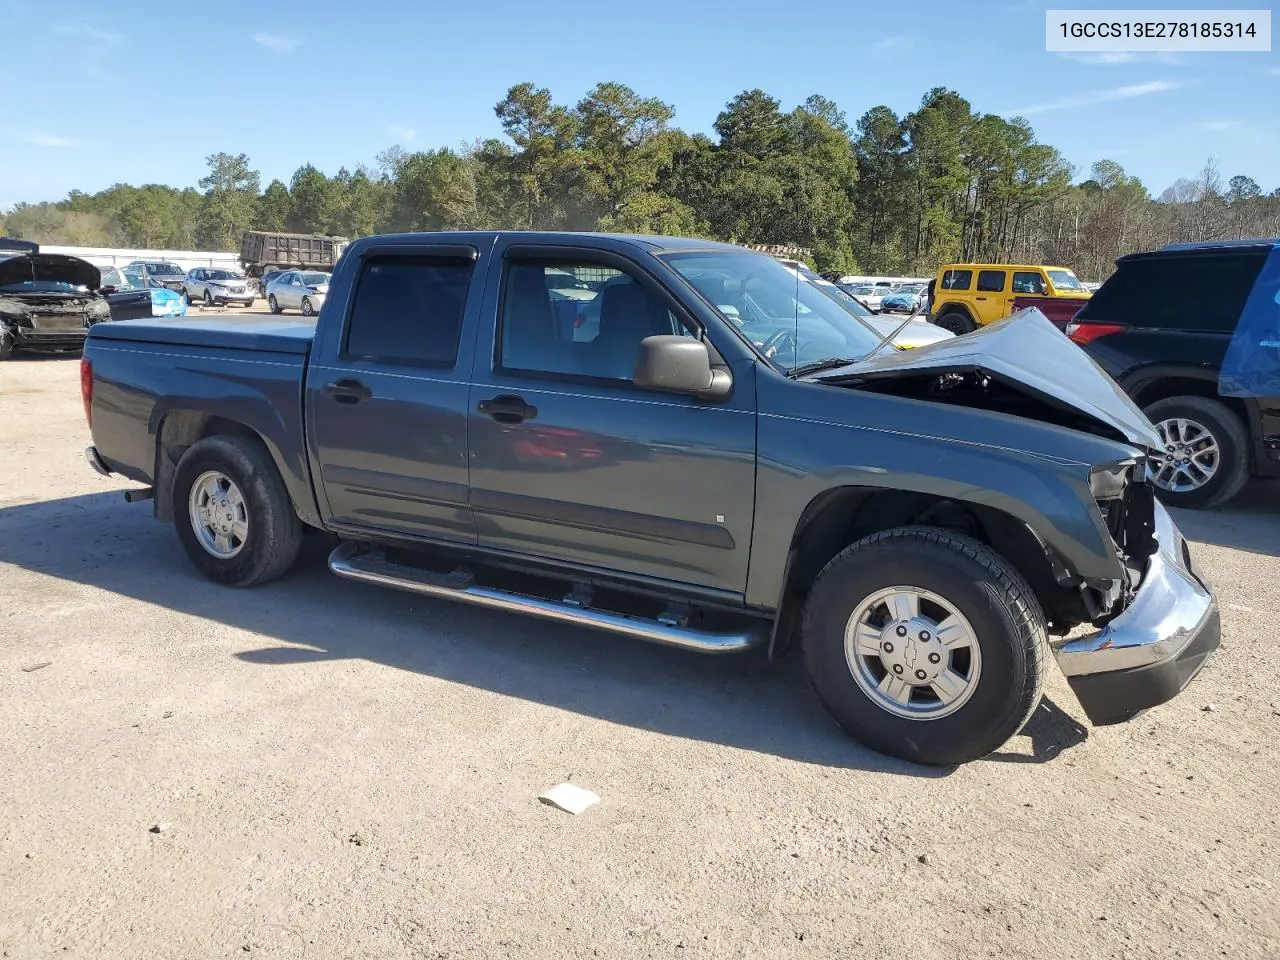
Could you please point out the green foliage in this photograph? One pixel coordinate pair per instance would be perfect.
(889, 194)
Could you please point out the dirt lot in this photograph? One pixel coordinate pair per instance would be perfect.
(342, 771)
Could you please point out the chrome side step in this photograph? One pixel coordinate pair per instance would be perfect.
(347, 561)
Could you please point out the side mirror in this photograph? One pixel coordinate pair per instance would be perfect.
(674, 364)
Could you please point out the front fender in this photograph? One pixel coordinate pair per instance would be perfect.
(800, 459)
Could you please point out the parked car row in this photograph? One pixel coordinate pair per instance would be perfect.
(301, 290)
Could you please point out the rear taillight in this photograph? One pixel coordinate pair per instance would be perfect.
(1082, 331)
(86, 388)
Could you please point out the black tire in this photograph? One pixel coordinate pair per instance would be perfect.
(957, 323)
(208, 299)
(272, 304)
(186, 295)
(6, 346)
(307, 309)
(275, 532)
(1005, 617)
(1233, 446)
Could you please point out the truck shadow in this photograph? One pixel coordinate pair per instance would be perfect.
(738, 701)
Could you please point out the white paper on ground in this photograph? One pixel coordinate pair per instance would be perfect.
(569, 798)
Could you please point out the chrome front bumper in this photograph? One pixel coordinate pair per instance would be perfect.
(1146, 655)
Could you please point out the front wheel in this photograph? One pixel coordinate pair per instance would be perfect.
(307, 309)
(925, 645)
(208, 300)
(232, 513)
(1206, 452)
(6, 346)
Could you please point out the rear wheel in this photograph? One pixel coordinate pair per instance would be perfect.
(925, 645)
(232, 513)
(273, 304)
(1206, 452)
(957, 323)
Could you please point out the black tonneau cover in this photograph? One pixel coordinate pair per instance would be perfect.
(243, 332)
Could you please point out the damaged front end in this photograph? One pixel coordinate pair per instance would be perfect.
(1154, 622)
(48, 302)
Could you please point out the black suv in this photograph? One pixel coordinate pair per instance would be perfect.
(1161, 325)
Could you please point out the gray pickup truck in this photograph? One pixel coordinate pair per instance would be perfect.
(684, 442)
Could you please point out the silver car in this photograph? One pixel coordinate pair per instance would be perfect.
(302, 290)
(216, 285)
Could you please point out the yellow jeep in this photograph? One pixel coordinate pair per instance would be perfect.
(969, 295)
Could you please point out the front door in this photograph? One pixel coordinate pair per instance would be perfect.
(387, 400)
(571, 461)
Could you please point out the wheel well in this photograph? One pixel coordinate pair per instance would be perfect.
(1162, 388)
(842, 516)
(953, 306)
(179, 430)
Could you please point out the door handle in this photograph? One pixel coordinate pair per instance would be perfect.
(348, 390)
(979, 298)
(507, 409)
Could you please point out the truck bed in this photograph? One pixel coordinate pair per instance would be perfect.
(227, 331)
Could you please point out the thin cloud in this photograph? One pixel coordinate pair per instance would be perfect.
(87, 31)
(41, 139)
(1113, 57)
(402, 133)
(1218, 126)
(897, 44)
(1099, 96)
(1274, 71)
(276, 41)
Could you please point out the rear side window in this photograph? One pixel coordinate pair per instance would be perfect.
(991, 281)
(408, 310)
(956, 279)
(1205, 293)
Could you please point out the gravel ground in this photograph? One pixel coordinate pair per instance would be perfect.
(323, 769)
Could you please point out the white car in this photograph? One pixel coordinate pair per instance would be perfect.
(216, 285)
(301, 290)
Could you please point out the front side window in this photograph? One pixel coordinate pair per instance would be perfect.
(991, 281)
(957, 279)
(1025, 281)
(408, 310)
(578, 319)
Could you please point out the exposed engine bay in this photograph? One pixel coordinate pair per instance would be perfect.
(982, 390)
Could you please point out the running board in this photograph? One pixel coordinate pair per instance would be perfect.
(347, 561)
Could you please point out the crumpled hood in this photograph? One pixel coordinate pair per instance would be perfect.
(49, 268)
(1028, 350)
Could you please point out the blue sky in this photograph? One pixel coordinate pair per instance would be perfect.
(101, 93)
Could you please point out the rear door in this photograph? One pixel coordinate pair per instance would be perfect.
(386, 396)
(991, 296)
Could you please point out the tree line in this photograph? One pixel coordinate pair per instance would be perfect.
(887, 194)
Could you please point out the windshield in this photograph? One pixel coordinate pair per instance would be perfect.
(314, 279)
(1064, 280)
(791, 320)
(224, 275)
